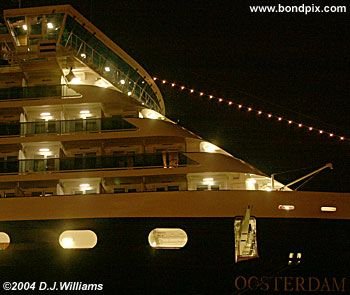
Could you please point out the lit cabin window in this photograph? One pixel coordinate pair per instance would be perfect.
(294, 258)
(286, 207)
(4, 240)
(328, 209)
(167, 238)
(78, 239)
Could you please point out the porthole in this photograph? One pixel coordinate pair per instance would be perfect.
(167, 238)
(4, 240)
(286, 207)
(78, 239)
(328, 209)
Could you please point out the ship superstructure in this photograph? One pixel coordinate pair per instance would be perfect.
(85, 144)
(79, 116)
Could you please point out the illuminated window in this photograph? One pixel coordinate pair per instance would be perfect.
(294, 258)
(286, 207)
(167, 238)
(78, 239)
(4, 240)
(328, 209)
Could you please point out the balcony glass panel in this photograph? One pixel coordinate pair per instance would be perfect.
(35, 92)
(64, 127)
(87, 162)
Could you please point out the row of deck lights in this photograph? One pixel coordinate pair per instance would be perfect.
(261, 113)
(49, 26)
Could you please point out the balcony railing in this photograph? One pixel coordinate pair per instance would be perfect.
(65, 126)
(112, 68)
(35, 92)
(156, 160)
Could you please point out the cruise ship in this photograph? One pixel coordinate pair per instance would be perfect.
(101, 192)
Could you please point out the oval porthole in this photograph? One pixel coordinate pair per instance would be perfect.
(78, 239)
(286, 207)
(167, 238)
(328, 209)
(4, 240)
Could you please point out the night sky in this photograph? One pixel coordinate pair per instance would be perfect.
(292, 65)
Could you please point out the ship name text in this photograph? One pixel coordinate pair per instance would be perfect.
(292, 284)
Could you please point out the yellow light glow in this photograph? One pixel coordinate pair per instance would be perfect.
(49, 25)
(289, 122)
(250, 183)
(44, 150)
(150, 114)
(209, 147)
(208, 181)
(75, 80)
(122, 81)
(67, 243)
(25, 27)
(129, 93)
(83, 55)
(300, 125)
(85, 114)
(107, 69)
(45, 114)
(85, 186)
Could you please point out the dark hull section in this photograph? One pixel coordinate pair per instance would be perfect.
(124, 262)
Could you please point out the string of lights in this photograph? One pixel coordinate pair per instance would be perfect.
(258, 112)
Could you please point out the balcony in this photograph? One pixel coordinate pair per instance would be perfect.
(36, 92)
(137, 161)
(65, 126)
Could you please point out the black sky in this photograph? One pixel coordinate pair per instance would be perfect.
(293, 65)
